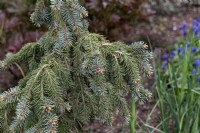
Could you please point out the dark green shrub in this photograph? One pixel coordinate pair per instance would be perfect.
(72, 76)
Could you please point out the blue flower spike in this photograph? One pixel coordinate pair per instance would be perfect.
(187, 44)
(196, 31)
(164, 65)
(198, 79)
(165, 57)
(198, 19)
(194, 71)
(183, 28)
(194, 49)
(184, 32)
(196, 63)
(179, 50)
(173, 53)
(196, 26)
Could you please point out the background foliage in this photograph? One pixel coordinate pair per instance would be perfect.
(106, 15)
(16, 29)
(178, 83)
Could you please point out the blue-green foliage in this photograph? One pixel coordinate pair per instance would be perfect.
(72, 76)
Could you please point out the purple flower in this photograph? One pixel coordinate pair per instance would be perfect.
(198, 19)
(183, 26)
(198, 79)
(172, 54)
(179, 50)
(196, 26)
(187, 44)
(195, 23)
(194, 71)
(194, 49)
(196, 31)
(164, 65)
(184, 32)
(196, 63)
(165, 57)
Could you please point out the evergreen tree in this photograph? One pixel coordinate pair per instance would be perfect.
(72, 76)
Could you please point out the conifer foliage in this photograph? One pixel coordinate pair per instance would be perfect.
(72, 76)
